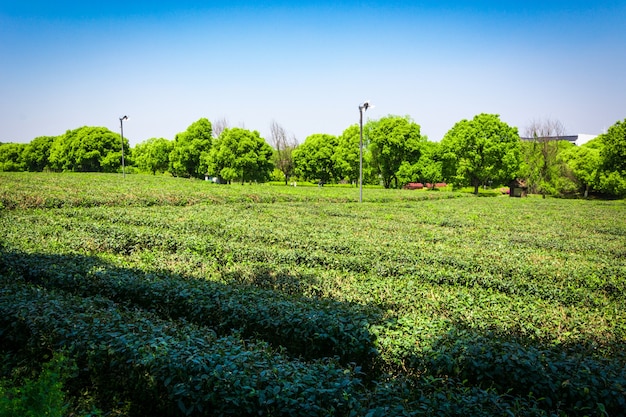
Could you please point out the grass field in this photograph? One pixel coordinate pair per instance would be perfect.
(275, 300)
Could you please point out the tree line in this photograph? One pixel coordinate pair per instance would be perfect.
(483, 151)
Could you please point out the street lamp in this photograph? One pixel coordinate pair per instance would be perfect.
(362, 107)
(122, 132)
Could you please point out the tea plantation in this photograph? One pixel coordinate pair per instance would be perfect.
(175, 297)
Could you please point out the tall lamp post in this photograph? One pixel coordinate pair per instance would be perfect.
(362, 107)
(122, 132)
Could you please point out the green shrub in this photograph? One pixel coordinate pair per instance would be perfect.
(43, 396)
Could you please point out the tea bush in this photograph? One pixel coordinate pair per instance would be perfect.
(426, 303)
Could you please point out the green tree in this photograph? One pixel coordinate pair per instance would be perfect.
(284, 146)
(613, 151)
(393, 140)
(613, 160)
(481, 150)
(11, 156)
(153, 155)
(540, 156)
(87, 149)
(584, 162)
(314, 158)
(240, 154)
(190, 148)
(37, 154)
(427, 169)
(347, 154)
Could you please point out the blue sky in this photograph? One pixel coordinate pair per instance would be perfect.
(307, 65)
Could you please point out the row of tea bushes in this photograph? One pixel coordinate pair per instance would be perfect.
(164, 368)
(305, 327)
(174, 368)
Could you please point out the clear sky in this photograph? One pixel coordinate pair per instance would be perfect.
(307, 65)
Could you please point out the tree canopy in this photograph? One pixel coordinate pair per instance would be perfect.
(36, 155)
(153, 155)
(613, 151)
(11, 156)
(240, 154)
(188, 150)
(393, 140)
(427, 169)
(346, 156)
(87, 149)
(314, 159)
(481, 150)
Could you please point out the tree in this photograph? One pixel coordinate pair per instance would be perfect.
(613, 160)
(347, 154)
(481, 150)
(427, 169)
(393, 140)
(313, 159)
(284, 146)
(585, 164)
(541, 154)
(188, 150)
(87, 149)
(613, 151)
(11, 156)
(240, 154)
(37, 154)
(153, 155)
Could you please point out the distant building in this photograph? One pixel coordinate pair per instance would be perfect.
(574, 139)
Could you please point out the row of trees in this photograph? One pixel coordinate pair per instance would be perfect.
(477, 152)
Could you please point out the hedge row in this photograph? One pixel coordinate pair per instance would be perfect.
(167, 369)
(307, 328)
(573, 383)
(161, 367)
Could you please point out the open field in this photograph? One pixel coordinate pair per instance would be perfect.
(180, 297)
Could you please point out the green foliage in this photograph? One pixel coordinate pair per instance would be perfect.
(43, 396)
(11, 157)
(153, 155)
(37, 154)
(346, 156)
(613, 152)
(283, 153)
(240, 154)
(314, 159)
(163, 368)
(428, 169)
(309, 329)
(87, 149)
(612, 179)
(585, 164)
(190, 148)
(392, 141)
(481, 150)
(180, 297)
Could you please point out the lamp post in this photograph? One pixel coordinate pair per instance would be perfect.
(122, 132)
(362, 107)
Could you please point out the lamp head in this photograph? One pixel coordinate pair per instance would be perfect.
(124, 118)
(366, 105)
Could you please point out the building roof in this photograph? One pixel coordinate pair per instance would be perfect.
(578, 140)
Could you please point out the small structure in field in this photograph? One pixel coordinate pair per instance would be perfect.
(518, 188)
